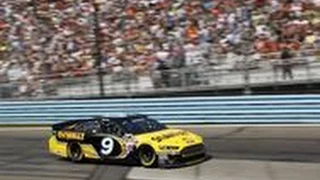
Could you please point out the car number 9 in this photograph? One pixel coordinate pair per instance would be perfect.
(107, 146)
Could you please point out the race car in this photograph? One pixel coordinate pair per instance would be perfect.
(137, 137)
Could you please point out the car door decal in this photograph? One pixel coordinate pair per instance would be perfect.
(106, 146)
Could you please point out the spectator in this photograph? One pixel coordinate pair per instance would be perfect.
(164, 79)
(57, 36)
(286, 56)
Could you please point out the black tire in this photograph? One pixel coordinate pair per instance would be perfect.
(75, 152)
(147, 156)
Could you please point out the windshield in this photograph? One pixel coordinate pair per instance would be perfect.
(141, 125)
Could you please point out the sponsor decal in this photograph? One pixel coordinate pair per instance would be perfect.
(68, 135)
(188, 140)
(168, 136)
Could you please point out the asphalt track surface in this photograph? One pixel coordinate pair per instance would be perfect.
(24, 156)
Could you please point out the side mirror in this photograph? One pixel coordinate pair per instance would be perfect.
(128, 136)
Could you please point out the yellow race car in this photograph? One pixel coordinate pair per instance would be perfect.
(135, 137)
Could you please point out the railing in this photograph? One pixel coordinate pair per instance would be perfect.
(243, 74)
(233, 109)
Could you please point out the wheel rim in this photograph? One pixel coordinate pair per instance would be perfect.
(147, 157)
(75, 153)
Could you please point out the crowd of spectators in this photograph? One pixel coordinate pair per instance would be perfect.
(43, 37)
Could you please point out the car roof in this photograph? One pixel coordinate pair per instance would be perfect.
(127, 117)
(104, 118)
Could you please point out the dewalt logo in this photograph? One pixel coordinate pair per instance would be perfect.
(67, 135)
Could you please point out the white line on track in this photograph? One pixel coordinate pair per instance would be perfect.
(222, 169)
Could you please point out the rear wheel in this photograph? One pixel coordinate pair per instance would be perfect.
(75, 152)
(147, 156)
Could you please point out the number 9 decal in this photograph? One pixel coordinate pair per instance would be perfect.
(107, 146)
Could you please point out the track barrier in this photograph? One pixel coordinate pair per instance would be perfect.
(182, 110)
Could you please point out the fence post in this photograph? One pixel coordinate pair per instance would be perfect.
(98, 56)
(246, 76)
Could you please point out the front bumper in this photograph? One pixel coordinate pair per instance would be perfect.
(188, 156)
(179, 162)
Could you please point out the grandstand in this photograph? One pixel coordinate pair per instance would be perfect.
(48, 48)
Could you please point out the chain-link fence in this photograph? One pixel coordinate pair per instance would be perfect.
(244, 74)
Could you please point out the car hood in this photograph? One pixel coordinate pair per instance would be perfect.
(169, 137)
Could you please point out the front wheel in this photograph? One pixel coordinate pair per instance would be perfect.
(147, 156)
(75, 152)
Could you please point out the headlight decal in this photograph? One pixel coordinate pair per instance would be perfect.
(164, 147)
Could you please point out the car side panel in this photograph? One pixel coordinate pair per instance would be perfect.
(120, 150)
(89, 151)
(57, 147)
(90, 147)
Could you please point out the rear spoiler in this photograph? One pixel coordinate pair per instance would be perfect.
(62, 125)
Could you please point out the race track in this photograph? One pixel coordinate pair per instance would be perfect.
(242, 152)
